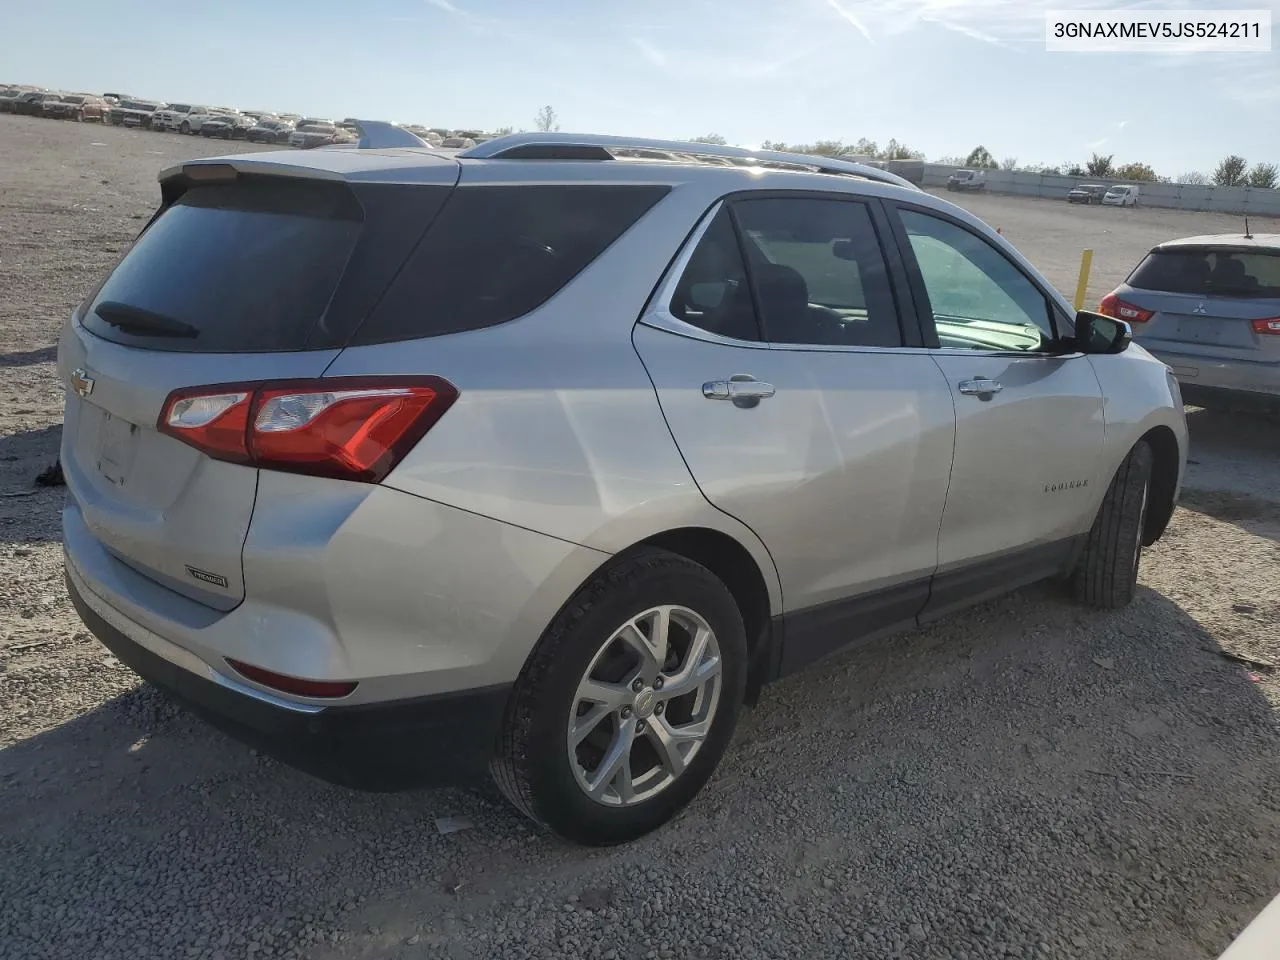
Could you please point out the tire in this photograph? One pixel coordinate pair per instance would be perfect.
(534, 765)
(185, 128)
(1107, 571)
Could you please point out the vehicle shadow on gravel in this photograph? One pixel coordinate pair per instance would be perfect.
(1023, 746)
(29, 512)
(22, 358)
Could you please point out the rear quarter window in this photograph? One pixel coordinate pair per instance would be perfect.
(496, 253)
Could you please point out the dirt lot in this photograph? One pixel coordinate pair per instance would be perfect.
(1028, 779)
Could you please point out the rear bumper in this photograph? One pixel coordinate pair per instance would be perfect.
(435, 740)
(1207, 375)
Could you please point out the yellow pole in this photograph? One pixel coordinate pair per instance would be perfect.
(1082, 285)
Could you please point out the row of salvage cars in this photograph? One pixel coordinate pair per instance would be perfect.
(256, 126)
(194, 119)
(60, 106)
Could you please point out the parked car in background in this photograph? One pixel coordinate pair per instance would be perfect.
(32, 103)
(1121, 196)
(1209, 307)
(78, 106)
(967, 180)
(457, 143)
(1087, 193)
(8, 98)
(273, 130)
(422, 133)
(114, 98)
(228, 126)
(374, 434)
(194, 121)
(174, 115)
(312, 132)
(133, 113)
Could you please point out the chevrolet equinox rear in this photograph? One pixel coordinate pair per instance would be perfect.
(541, 459)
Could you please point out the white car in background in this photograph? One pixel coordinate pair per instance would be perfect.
(174, 115)
(1121, 196)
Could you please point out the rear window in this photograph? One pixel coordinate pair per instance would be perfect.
(238, 267)
(1207, 271)
(497, 252)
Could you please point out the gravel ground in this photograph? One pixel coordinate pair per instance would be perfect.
(1028, 779)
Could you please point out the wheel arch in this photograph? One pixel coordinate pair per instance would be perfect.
(1166, 459)
(738, 570)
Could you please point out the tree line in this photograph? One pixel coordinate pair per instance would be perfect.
(1233, 171)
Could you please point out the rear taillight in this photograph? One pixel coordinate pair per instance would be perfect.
(350, 428)
(1267, 327)
(327, 689)
(1113, 306)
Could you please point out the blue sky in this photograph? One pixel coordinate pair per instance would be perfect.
(939, 75)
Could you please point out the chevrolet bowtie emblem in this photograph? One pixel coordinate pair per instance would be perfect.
(1199, 307)
(81, 382)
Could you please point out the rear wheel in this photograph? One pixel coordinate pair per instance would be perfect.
(185, 128)
(627, 703)
(1107, 572)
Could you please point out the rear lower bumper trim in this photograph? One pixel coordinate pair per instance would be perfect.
(438, 740)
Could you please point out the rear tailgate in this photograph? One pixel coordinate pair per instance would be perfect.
(1219, 328)
(158, 505)
(242, 277)
(1209, 300)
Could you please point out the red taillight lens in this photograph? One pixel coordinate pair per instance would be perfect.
(351, 428)
(1267, 327)
(296, 685)
(1113, 306)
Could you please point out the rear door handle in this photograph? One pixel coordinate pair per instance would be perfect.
(981, 387)
(741, 390)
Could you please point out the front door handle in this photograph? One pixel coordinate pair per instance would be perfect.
(981, 387)
(742, 390)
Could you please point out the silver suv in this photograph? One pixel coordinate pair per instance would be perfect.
(1210, 308)
(543, 458)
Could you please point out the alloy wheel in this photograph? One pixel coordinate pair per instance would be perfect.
(644, 706)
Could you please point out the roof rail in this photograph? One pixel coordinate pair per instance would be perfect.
(576, 146)
(379, 134)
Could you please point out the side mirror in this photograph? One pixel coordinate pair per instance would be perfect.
(1097, 333)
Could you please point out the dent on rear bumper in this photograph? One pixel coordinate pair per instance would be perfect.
(348, 581)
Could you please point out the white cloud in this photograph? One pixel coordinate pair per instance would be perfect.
(848, 16)
(650, 52)
(970, 32)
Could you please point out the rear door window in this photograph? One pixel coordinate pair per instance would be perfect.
(819, 272)
(497, 252)
(1209, 271)
(238, 267)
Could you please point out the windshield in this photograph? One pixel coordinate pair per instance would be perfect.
(1207, 271)
(179, 107)
(137, 105)
(73, 99)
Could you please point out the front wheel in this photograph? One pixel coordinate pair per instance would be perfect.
(1106, 574)
(627, 703)
(185, 128)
